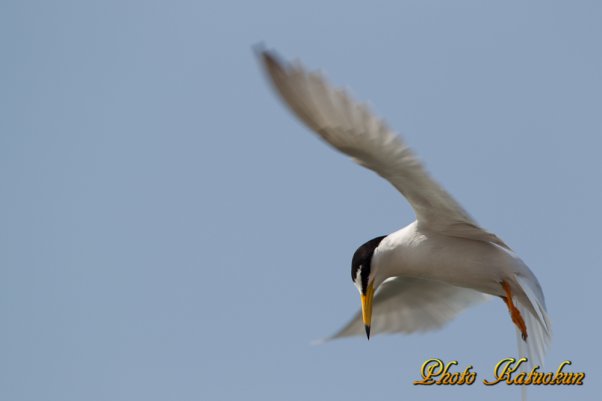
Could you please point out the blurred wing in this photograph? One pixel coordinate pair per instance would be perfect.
(408, 305)
(351, 128)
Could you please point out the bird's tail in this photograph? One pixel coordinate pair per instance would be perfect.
(538, 325)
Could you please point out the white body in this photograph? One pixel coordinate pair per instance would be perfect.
(421, 253)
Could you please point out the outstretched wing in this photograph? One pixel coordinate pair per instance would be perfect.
(407, 305)
(351, 128)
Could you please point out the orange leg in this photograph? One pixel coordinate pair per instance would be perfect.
(514, 313)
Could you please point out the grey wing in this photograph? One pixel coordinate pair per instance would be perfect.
(353, 129)
(407, 305)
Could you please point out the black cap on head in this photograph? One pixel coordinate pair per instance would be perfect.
(362, 260)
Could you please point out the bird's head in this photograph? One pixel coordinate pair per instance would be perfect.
(363, 274)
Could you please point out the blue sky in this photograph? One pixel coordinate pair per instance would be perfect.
(168, 231)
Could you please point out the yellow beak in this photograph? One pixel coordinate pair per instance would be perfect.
(367, 308)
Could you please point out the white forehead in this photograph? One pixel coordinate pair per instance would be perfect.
(358, 279)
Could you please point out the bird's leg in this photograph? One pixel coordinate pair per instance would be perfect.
(514, 313)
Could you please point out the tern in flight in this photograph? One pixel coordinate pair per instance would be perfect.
(423, 275)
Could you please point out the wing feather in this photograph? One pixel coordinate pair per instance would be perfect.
(353, 129)
(408, 305)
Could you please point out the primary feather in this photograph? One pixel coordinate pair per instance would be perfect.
(354, 130)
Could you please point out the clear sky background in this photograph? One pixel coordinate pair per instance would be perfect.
(168, 231)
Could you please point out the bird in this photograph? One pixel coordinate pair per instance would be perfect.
(422, 276)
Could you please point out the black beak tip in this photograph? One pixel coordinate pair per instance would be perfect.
(367, 331)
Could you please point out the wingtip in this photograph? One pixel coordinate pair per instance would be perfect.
(260, 49)
(272, 65)
(266, 55)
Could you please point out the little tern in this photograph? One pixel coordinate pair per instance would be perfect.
(422, 276)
